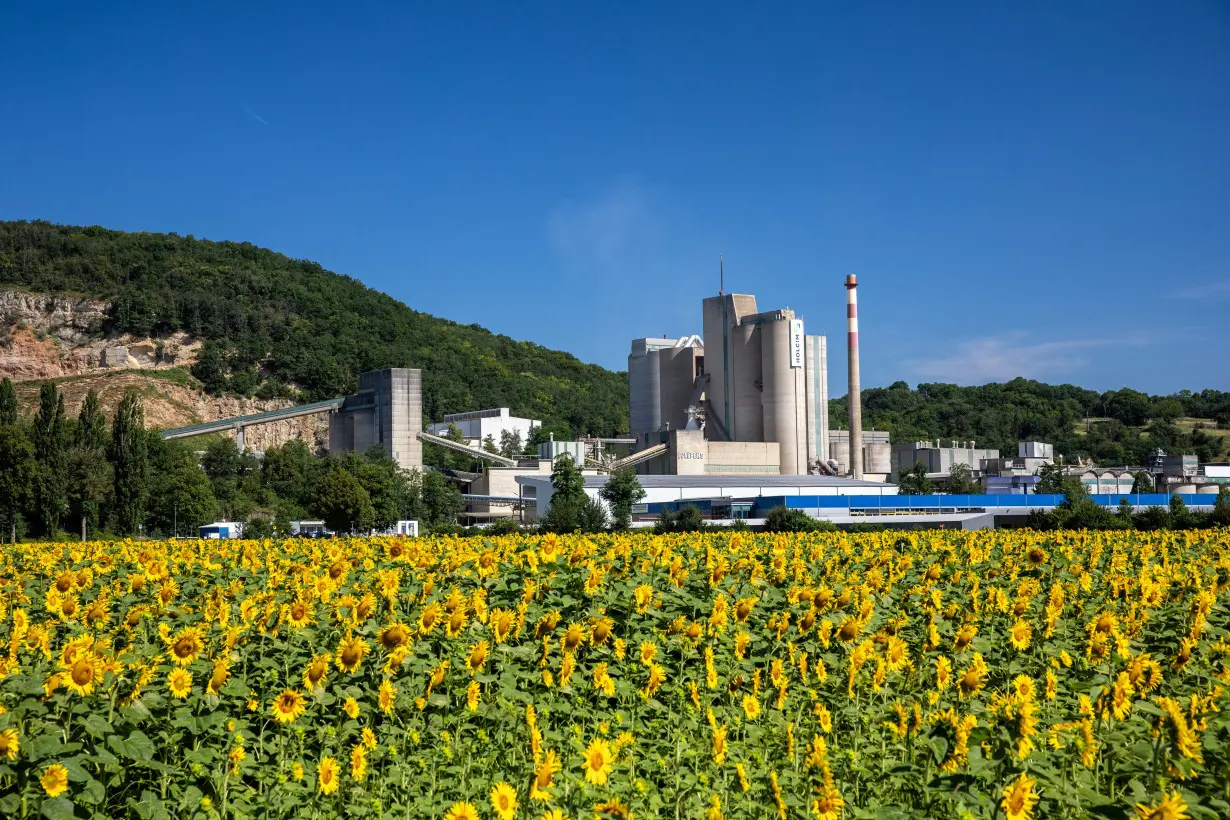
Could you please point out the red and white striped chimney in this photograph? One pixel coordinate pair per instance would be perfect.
(855, 396)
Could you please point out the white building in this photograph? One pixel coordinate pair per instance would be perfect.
(478, 424)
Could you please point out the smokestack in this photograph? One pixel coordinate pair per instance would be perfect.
(855, 397)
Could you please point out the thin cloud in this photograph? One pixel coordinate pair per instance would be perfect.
(606, 228)
(1216, 289)
(1012, 355)
(255, 116)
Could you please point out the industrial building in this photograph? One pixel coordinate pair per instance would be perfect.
(477, 425)
(387, 412)
(1020, 474)
(709, 489)
(751, 397)
(938, 459)
(876, 450)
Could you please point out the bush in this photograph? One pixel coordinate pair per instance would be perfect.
(503, 526)
(687, 519)
(783, 519)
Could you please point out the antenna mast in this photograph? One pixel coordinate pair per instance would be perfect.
(721, 273)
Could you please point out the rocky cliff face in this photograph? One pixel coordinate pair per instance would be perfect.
(46, 336)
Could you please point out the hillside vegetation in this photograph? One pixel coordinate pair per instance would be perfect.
(275, 326)
(1117, 427)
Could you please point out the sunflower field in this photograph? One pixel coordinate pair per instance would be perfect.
(940, 674)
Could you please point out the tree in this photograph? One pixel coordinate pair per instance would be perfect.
(91, 432)
(510, 443)
(8, 404)
(1050, 479)
(961, 481)
(1180, 516)
(620, 492)
(592, 517)
(568, 499)
(88, 478)
(17, 470)
(182, 497)
(1142, 483)
(489, 445)
(289, 472)
(688, 519)
(784, 519)
(915, 482)
(130, 460)
(341, 501)
(1220, 516)
(51, 453)
(441, 500)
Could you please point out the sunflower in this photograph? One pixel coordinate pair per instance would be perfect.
(719, 745)
(1172, 807)
(596, 762)
(368, 738)
(1019, 798)
(1037, 556)
(316, 671)
(974, 678)
(828, 806)
(943, 673)
(10, 745)
(965, 636)
(461, 811)
(350, 654)
(477, 657)
(218, 676)
(358, 762)
(387, 696)
(849, 630)
(473, 691)
(456, 622)
(86, 671)
(649, 651)
(299, 614)
(1020, 634)
(501, 623)
(186, 646)
(288, 706)
(351, 708)
(751, 707)
(394, 636)
(327, 775)
(544, 772)
(54, 780)
(742, 640)
(504, 801)
(180, 683)
(613, 808)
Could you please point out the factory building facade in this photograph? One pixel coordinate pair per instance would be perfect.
(751, 397)
(477, 425)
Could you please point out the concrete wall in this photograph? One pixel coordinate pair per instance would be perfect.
(677, 383)
(386, 412)
(744, 457)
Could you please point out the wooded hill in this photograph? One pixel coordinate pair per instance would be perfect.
(276, 326)
(1118, 427)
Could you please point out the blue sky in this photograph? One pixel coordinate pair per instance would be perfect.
(1037, 189)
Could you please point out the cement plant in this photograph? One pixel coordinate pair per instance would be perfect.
(734, 422)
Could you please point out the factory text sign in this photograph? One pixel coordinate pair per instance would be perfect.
(796, 342)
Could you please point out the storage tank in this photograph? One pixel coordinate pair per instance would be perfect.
(1185, 489)
(1207, 489)
(782, 398)
(676, 368)
(644, 389)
